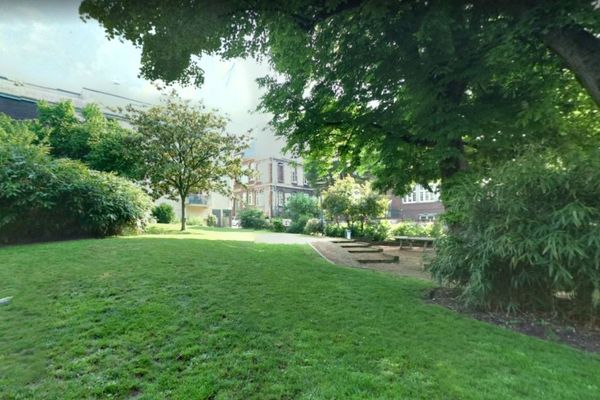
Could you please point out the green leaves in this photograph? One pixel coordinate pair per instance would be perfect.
(353, 202)
(529, 230)
(185, 149)
(46, 199)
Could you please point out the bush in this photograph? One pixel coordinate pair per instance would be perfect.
(298, 225)
(378, 231)
(277, 225)
(313, 226)
(195, 221)
(252, 218)
(301, 204)
(333, 230)
(410, 228)
(45, 199)
(211, 220)
(525, 233)
(163, 213)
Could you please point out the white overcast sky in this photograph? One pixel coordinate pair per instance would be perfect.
(45, 42)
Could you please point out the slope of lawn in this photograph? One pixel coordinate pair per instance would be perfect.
(162, 318)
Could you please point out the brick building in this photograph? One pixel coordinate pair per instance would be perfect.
(419, 205)
(275, 180)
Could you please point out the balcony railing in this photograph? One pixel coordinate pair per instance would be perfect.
(198, 200)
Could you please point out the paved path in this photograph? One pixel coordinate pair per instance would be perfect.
(288, 238)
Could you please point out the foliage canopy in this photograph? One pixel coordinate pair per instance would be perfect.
(417, 90)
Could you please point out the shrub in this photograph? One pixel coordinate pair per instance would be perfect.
(211, 220)
(195, 221)
(252, 218)
(277, 225)
(313, 226)
(163, 213)
(378, 231)
(45, 199)
(300, 204)
(526, 232)
(298, 225)
(410, 228)
(334, 230)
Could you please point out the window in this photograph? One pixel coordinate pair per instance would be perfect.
(260, 198)
(295, 175)
(280, 172)
(280, 199)
(421, 195)
(426, 217)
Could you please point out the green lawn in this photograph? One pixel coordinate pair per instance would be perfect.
(175, 317)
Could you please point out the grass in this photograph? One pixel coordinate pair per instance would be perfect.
(201, 232)
(155, 317)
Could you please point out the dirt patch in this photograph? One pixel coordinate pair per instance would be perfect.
(410, 263)
(541, 325)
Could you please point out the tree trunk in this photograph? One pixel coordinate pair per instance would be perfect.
(581, 52)
(448, 170)
(183, 218)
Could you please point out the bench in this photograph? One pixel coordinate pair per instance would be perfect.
(411, 240)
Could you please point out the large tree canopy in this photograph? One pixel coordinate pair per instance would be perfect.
(418, 90)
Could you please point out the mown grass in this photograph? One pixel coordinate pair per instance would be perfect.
(155, 318)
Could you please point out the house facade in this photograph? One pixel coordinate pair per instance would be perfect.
(199, 206)
(420, 205)
(275, 179)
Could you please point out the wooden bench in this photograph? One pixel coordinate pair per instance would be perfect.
(411, 240)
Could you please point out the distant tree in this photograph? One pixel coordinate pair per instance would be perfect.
(369, 205)
(59, 126)
(102, 144)
(354, 202)
(301, 204)
(338, 200)
(185, 150)
(117, 150)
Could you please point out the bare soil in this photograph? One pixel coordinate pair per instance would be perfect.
(547, 326)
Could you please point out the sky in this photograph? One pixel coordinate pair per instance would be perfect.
(46, 43)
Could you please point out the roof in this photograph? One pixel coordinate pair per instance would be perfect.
(19, 94)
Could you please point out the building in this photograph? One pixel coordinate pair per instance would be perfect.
(200, 206)
(275, 179)
(419, 205)
(19, 99)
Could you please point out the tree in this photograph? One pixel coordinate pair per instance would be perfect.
(353, 202)
(369, 205)
(101, 143)
(185, 149)
(233, 28)
(301, 204)
(338, 200)
(417, 90)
